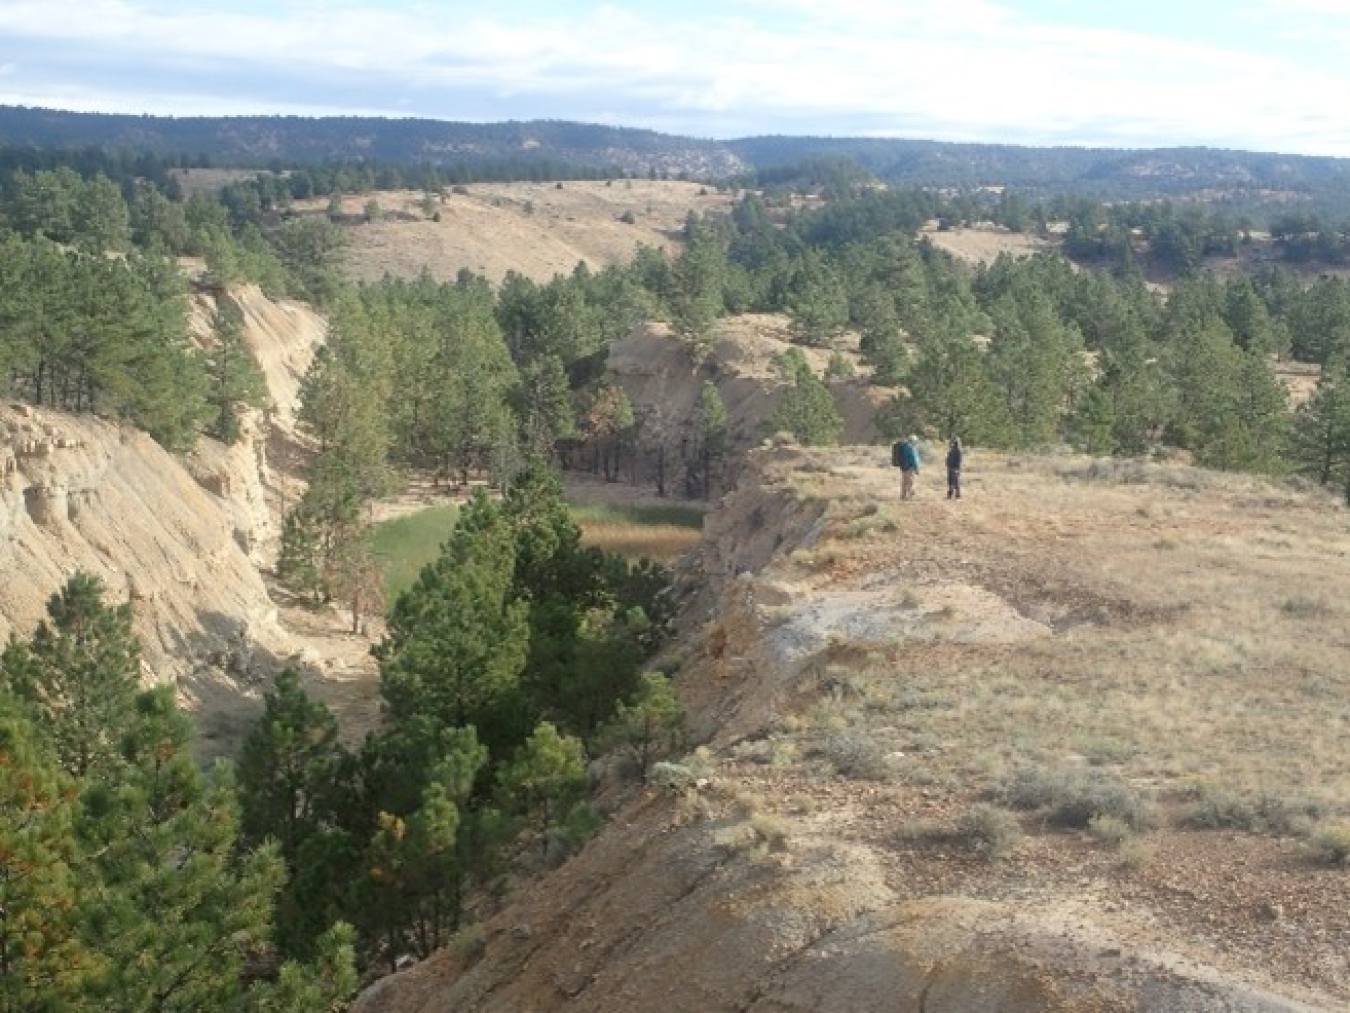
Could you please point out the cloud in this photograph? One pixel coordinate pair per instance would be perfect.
(961, 70)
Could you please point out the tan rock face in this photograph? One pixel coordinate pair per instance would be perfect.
(84, 494)
(181, 538)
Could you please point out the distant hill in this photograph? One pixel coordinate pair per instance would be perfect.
(1241, 178)
(1146, 169)
(290, 140)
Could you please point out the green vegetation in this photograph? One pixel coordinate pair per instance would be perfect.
(518, 631)
(404, 545)
(124, 881)
(503, 664)
(806, 409)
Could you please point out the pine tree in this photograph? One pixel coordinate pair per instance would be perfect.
(419, 864)
(544, 407)
(1036, 361)
(353, 575)
(697, 285)
(234, 380)
(648, 724)
(1320, 445)
(806, 408)
(44, 965)
(817, 302)
(458, 639)
(283, 766)
(178, 911)
(323, 986)
(544, 782)
(300, 560)
(950, 391)
(711, 440)
(79, 672)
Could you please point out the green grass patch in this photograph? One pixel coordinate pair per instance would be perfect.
(406, 544)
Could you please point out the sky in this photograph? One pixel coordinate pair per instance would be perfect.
(1262, 75)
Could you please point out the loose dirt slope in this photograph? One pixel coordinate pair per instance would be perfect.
(864, 673)
(183, 537)
(81, 494)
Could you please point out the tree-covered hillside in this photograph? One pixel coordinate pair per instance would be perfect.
(1247, 180)
(290, 140)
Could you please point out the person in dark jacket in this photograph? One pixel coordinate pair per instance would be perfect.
(954, 469)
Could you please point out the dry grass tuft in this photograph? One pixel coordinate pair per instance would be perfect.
(1331, 843)
(661, 542)
(989, 831)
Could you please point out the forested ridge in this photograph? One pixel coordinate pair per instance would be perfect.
(552, 149)
(519, 654)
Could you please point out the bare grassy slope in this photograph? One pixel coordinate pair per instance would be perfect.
(867, 673)
(534, 229)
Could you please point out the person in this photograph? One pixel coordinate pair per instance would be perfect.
(954, 468)
(906, 455)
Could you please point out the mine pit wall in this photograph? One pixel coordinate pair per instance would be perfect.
(724, 593)
(680, 906)
(77, 493)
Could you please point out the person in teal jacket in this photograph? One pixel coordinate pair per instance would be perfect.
(907, 456)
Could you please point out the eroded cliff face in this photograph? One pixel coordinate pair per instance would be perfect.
(182, 538)
(756, 879)
(83, 494)
(664, 383)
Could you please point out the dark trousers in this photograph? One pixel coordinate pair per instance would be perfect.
(953, 483)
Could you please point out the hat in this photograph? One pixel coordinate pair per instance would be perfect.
(913, 438)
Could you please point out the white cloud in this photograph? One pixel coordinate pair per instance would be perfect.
(962, 69)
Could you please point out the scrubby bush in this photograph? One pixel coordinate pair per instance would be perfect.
(1330, 843)
(1216, 808)
(989, 831)
(1074, 798)
(855, 755)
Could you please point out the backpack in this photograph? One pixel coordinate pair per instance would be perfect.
(898, 454)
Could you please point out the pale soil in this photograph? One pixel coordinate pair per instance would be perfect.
(1298, 378)
(664, 382)
(535, 229)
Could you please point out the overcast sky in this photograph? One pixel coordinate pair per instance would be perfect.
(1269, 75)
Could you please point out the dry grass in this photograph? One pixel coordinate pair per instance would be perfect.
(661, 542)
(1193, 626)
(660, 533)
(535, 229)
